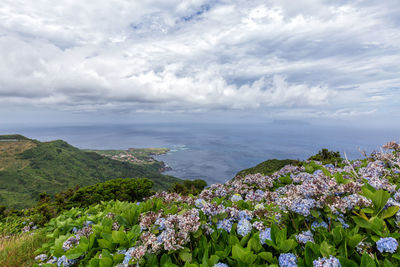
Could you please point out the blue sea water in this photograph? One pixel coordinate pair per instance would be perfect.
(216, 152)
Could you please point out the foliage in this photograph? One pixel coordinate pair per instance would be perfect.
(46, 208)
(19, 250)
(308, 214)
(52, 167)
(189, 187)
(326, 156)
(267, 167)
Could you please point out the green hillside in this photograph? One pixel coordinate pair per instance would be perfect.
(267, 167)
(29, 167)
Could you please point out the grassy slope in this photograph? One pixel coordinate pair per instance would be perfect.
(267, 167)
(18, 251)
(55, 166)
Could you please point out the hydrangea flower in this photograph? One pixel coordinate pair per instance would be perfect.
(236, 197)
(225, 224)
(245, 214)
(128, 255)
(317, 224)
(63, 261)
(264, 235)
(303, 206)
(305, 237)
(161, 223)
(387, 244)
(287, 260)
(220, 264)
(41, 257)
(327, 262)
(199, 203)
(244, 227)
(87, 223)
(329, 166)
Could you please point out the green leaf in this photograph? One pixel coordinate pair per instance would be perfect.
(185, 256)
(379, 198)
(389, 212)
(346, 262)
(213, 260)
(74, 253)
(315, 213)
(387, 263)
(312, 252)
(237, 252)
(254, 245)
(120, 238)
(367, 261)
(354, 240)
(266, 256)
(103, 243)
(105, 262)
(327, 250)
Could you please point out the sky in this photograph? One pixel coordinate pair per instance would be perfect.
(113, 61)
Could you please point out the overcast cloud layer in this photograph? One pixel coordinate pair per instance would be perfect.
(313, 58)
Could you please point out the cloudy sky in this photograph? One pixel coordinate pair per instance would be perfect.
(94, 59)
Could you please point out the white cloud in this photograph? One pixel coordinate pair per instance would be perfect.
(200, 55)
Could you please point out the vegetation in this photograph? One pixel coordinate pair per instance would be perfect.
(18, 250)
(305, 214)
(189, 187)
(29, 167)
(267, 167)
(13, 221)
(326, 156)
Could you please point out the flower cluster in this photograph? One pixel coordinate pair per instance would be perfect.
(287, 260)
(388, 244)
(327, 262)
(244, 227)
(305, 237)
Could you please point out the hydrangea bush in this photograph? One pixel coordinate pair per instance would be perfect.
(310, 214)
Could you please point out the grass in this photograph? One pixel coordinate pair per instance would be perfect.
(9, 154)
(18, 250)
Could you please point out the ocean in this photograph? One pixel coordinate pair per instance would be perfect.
(216, 152)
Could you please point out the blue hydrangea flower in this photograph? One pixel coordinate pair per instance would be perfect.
(245, 214)
(225, 224)
(74, 230)
(317, 224)
(287, 260)
(318, 172)
(343, 222)
(220, 264)
(161, 223)
(138, 203)
(199, 203)
(302, 206)
(327, 262)
(128, 256)
(305, 237)
(244, 227)
(236, 197)
(63, 261)
(387, 244)
(259, 192)
(396, 171)
(329, 166)
(264, 235)
(87, 223)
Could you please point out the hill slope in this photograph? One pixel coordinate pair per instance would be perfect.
(29, 167)
(267, 167)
